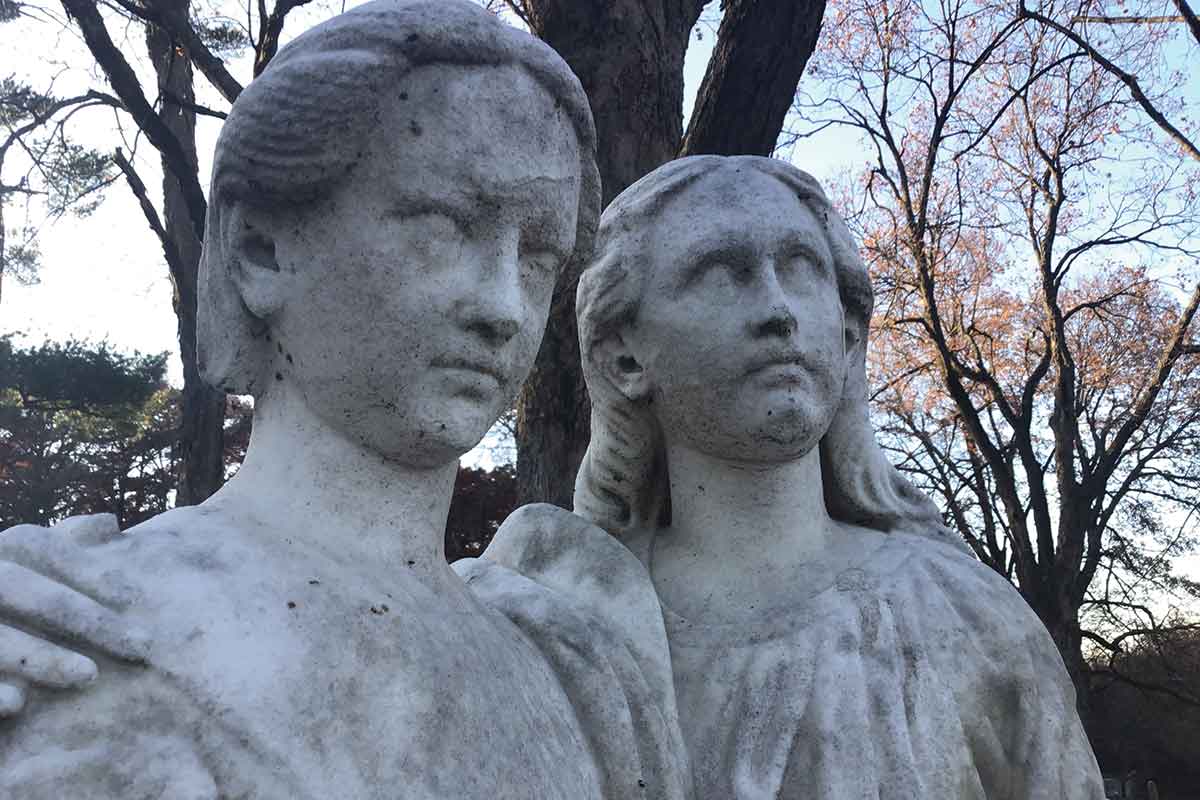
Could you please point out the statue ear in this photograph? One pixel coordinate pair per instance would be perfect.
(621, 366)
(853, 336)
(252, 239)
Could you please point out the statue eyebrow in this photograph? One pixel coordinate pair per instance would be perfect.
(458, 208)
(813, 248)
(703, 255)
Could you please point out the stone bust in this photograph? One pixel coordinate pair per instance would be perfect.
(828, 636)
(393, 201)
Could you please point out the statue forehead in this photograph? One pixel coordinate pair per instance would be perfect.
(495, 122)
(734, 188)
(730, 205)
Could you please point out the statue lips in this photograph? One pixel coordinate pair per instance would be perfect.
(780, 367)
(472, 364)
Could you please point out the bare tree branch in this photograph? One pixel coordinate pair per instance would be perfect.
(179, 27)
(1166, 364)
(127, 87)
(1131, 82)
(1124, 20)
(271, 26)
(139, 191)
(1189, 16)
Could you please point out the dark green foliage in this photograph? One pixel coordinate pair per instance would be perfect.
(47, 173)
(482, 500)
(84, 430)
(72, 174)
(20, 260)
(222, 36)
(20, 102)
(9, 10)
(78, 376)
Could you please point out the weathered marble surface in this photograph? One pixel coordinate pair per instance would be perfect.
(763, 607)
(393, 200)
(293, 675)
(828, 636)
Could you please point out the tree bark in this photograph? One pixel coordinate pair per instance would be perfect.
(1062, 621)
(201, 470)
(628, 54)
(762, 49)
(125, 83)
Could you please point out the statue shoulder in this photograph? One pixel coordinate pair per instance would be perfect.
(92, 554)
(957, 588)
(563, 550)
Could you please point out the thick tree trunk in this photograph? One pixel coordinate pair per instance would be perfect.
(1061, 618)
(762, 48)
(201, 468)
(629, 55)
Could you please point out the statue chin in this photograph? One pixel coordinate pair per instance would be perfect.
(423, 438)
(769, 433)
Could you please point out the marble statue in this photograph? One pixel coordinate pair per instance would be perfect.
(828, 636)
(393, 201)
(749, 602)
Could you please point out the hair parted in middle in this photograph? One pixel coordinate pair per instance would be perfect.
(623, 484)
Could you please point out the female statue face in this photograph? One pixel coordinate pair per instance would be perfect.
(409, 305)
(740, 336)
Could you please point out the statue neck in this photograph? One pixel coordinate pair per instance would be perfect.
(741, 534)
(732, 509)
(302, 477)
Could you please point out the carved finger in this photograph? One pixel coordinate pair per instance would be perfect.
(37, 602)
(65, 553)
(12, 699)
(43, 663)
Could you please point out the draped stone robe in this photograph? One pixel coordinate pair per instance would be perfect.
(915, 674)
(284, 671)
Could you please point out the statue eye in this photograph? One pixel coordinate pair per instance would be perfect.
(803, 263)
(432, 223)
(442, 223)
(801, 257)
(740, 269)
(722, 265)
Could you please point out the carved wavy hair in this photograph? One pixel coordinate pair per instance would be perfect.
(623, 484)
(298, 130)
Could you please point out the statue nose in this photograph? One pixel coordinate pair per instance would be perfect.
(780, 323)
(494, 330)
(492, 305)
